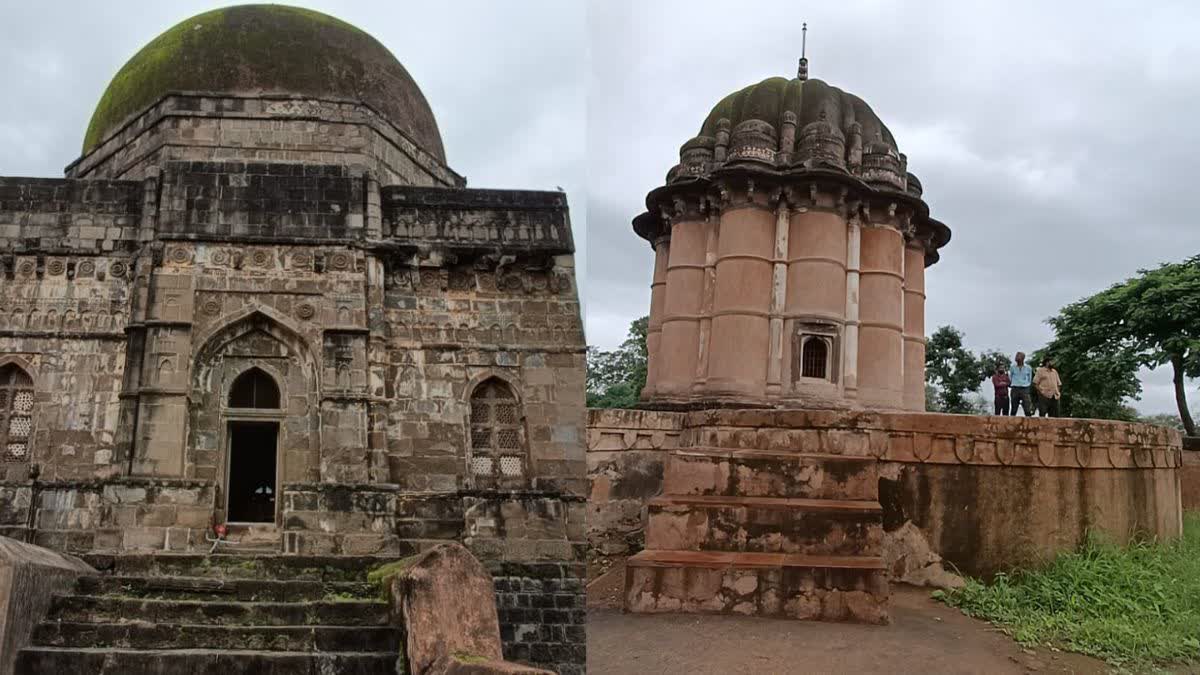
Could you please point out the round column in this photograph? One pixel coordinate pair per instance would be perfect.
(658, 293)
(914, 327)
(740, 338)
(816, 292)
(683, 293)
(881, 316)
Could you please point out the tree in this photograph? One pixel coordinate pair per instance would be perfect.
(953, 372)
(615, 378)
(1151, 319)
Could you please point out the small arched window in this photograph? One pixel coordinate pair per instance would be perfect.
(254, 388)
(497, 443)
(814, 358)
(16, 413)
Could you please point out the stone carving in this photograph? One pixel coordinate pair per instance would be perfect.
(211, 307)
(86, 269)
(305, 311)
(26, 268)
(260, 258)
(339, 261)
(55, 267)
(117, 269)
(219, 256)
(179, 255)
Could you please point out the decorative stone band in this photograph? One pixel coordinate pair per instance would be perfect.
(940, 439)
(617, 430)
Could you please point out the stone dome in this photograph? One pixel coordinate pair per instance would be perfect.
(790, 124)
(260, 49)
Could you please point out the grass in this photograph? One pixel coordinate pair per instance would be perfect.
(1136, 606)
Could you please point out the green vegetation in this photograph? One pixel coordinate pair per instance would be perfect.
(381, 576)
(953, 373)
(1133, 606)
(1150, 320)
(615, 379)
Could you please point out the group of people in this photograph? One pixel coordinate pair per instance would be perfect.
(1013, 388)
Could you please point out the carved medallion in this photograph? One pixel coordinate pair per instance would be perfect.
(219, 257)
(179, 255)
(117, 269)
(306, 311)
(260, 258)
(26, 268)
(87, 268)
(55, 267)
(211, 307)
(302, 260)
(339, 261)
(511, 283)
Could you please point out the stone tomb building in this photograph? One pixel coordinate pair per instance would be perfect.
(262, 298)
(782, 463)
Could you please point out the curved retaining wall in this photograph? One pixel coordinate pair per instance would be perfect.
(984, 493)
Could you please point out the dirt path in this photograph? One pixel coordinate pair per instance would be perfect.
(925, 636)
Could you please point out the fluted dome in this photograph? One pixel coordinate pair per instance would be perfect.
(796, 123)
(259, 49)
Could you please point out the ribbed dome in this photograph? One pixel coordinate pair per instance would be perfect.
(258, 49)
(795, 123)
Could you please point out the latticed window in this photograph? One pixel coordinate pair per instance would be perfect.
(254, 389)
(497, 447)
(16, 413)
(814, 358)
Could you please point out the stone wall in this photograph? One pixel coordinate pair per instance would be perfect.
(626, 453)
(1189, 480)
(984, 493)
(266, 128)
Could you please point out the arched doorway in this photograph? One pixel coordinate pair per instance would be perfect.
(253, 413)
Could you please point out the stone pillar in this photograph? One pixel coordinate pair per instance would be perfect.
(778, 299)
(658, 295)
(378, 363)
(712, 231)
(679, 344)
(742, 300)
(914, 327)
(850, 333)
(816, 282)
(880, 339)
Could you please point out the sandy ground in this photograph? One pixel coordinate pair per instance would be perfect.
(925, 636)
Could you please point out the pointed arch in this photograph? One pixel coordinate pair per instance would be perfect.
(497, 452)
(254, 388)
(16, 412)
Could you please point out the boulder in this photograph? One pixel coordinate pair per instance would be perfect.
(446, 602)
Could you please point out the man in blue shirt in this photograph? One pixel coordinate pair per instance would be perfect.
(1021, 377)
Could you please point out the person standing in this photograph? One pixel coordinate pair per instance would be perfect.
(1020, 377)
(1001, 381)
(1049, 388)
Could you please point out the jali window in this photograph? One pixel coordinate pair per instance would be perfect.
(814, 358)
(497, 440)
(16, 413)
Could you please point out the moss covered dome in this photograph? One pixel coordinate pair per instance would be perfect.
(809, 100)
(256, 49)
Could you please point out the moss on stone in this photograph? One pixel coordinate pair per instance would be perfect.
(266, 48)
(380, 576)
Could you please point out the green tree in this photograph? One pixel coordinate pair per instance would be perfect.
(615, 378)
(953, 372)
(1151, 319)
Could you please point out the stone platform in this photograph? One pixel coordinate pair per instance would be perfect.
(736, 509)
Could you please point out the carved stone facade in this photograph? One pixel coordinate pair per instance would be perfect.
(789, 270)
(286, 314)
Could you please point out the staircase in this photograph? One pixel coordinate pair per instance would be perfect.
(227, 614)
(782, 533)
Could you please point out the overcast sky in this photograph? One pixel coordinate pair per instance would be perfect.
(1057, 140)
(506, 80)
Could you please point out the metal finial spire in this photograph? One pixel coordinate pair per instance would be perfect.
(803, 74)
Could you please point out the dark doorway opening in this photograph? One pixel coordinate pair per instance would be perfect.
(252, 471)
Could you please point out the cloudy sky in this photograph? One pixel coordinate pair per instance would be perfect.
(1058, 140)
(506, 80)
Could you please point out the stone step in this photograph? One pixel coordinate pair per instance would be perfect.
(240, 566)
(145, 635)
(109, 609)
(244, 590)
(105, 661)
(770, 473)
(765, 525)
(825, 588)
